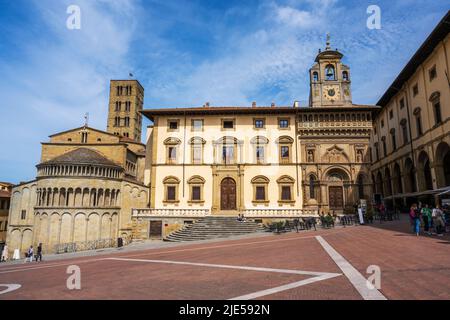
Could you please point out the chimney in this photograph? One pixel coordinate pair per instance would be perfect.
(273, 105)
(253, 104)
(296, 104)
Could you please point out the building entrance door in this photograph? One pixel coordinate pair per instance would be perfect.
(228, 194)
(336, 197)
(155, 229)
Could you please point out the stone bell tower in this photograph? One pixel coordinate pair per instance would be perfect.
(126, 99)
(330, 80)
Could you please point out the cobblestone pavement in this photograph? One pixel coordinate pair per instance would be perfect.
(288, 266)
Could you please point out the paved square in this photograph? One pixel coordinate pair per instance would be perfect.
(327, 264)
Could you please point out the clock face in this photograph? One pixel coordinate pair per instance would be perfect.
(331, 92)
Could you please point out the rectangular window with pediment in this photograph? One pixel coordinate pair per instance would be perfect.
(196, 189)
(260, 184)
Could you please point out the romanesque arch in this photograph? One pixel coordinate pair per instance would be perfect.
(93, 227)
(410, 176)
(397, 179)
(425, 180)
(79, 227)
(442, 165)
(387, 182)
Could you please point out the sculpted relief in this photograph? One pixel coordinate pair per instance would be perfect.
(335, 155)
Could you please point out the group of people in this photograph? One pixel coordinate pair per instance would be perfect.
(428, 217)
(240, 218)
(29, 255)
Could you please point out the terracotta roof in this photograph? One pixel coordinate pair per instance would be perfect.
(436, 36)
(83, 127)
(81, 156)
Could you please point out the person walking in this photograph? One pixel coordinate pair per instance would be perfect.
(4, 254)
(39, 253)
(29, 254)
(438, 220)
(414, 215)
(426, 216)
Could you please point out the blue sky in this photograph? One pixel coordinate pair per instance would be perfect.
(185, 53)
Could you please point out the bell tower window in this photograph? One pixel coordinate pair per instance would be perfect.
(345, 75)
(315, 76)
(330, 73)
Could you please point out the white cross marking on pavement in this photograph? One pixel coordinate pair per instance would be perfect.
(355, 277)
(317, 276)
(9, 287)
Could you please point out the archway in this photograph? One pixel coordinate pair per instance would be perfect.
(398, 188)
(442, 165)
(380, 184)
(228, 194)
(410, 176)
(424, 172)
(336, 195)
(387, 181)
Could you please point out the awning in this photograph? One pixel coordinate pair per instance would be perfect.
(439, 192)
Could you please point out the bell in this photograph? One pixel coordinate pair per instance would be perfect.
(329, 73)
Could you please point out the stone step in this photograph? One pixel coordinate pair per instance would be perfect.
(214, 227)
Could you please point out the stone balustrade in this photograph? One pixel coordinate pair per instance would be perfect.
(142, 213)
(250, 213)
(279, 212)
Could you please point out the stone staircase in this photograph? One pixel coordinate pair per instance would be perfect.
(213, 228)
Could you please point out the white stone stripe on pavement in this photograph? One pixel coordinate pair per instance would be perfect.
(317, 276)
(354, 276)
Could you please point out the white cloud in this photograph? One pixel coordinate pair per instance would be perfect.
(296, 18)
(62, 75)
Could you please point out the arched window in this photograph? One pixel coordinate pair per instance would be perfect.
(345, 75)
(196, 187)
(197, 146)
(312, 183)
(171, 189)
(260, 184)
(330, 73)
(285, 185)
(315, 76)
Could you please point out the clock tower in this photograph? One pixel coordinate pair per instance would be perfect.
(329, 80)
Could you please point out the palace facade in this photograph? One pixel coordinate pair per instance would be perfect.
(266, 162)
(411, 138)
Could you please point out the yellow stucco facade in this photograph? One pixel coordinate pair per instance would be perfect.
(411, 139)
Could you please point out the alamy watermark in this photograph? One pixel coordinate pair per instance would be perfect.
(74, 280)
(374, 20)
(374, 281)
(73, 21)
